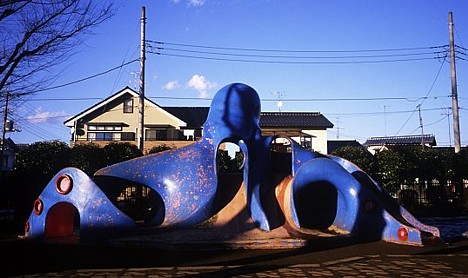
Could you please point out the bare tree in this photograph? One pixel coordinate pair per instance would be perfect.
(36, 35)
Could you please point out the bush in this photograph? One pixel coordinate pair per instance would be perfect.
(359, 156)
(87, 157)
(408, 198)
(34, 168)
(116, 152)
(160, 148)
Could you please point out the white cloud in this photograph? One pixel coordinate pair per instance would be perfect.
(192, 3)
(46, 116)
(197, 3)
(201, 84)
(171, 85)
(203, 94)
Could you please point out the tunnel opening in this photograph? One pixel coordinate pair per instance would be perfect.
(316, 205)
(139, 202)
(63, 222)
(229, 158)
(230, 162)
(281, 159)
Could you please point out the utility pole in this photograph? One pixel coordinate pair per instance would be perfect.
(421, 126)
(456, 119)
(141, 103)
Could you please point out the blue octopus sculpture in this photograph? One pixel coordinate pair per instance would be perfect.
(317, 192)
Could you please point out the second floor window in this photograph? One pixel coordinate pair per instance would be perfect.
(128, 105)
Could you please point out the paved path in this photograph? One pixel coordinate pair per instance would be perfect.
(321, 259)
(367, 266)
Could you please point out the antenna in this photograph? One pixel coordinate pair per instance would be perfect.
(279, 99)
(385, 118)
(338, 128)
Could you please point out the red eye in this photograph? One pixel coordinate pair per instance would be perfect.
(63, 184)
(38, 206)
(403, 234)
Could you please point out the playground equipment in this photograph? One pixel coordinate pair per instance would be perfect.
(298, 192)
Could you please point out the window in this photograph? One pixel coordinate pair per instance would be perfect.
(128, 105)
(127, 136)
(306, 142)
(156, 134)
(104, 127)
(100, 136)
(103, 136)
(91, 136)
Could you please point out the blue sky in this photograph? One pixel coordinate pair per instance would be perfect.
(366, 65)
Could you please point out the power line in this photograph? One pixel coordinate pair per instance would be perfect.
(409, 99)
(383, 113)
(86, 78)
(427, 94)
(438, 121)
(295, 51)
(34, 129)
(294, 57)
(66, 99)
(276, 56)
(296, 62)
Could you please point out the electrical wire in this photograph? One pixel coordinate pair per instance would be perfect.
(295, 57)
(409, 99)
(427, 94)
(295, 51)
(297, 62)
(86, 78)
(252, 55)
(367, 114)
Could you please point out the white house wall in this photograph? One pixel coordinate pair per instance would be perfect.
(319, 142)
(154, 115)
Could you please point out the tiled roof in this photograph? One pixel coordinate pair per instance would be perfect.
(428, 139)
(294, 119)
(196, 117)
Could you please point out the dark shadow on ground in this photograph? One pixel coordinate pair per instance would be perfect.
(24, 257)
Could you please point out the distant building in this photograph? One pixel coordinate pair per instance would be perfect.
(333, 145)
(116, 119)
(377, 144)
(10, 149)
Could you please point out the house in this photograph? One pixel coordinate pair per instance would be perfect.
(9, 150)
(116, 118)
(377, 144)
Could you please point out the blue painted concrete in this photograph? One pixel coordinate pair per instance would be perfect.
(186, 183)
